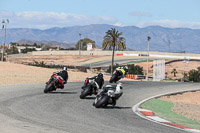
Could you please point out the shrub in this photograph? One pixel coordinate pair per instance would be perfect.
(114, 67)
(137, 70)
(132, 69)
(194, 75)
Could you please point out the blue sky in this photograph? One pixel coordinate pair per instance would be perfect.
(43, 14)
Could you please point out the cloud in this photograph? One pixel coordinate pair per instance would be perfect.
(44, 20)
(170, 24)
(118, 24)
(140, 14)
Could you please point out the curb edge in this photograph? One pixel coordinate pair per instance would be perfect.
(149, 115)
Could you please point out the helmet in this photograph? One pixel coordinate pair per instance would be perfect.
(100, 75)
(126, 68)
(64, 69)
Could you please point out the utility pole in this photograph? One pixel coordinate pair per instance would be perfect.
(4, 27)
(148, 38)
(185, 61)
(80, 44)
(169, 42)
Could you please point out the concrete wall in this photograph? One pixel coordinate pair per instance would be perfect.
(73, 52)
(108, 53)
(123, 53)
(19, 55)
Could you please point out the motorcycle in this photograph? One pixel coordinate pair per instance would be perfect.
(115, 76)
(109, 95)
(89, 88)
(54, 83)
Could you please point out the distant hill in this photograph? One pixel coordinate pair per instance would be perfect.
(181, 39)
(61, 44)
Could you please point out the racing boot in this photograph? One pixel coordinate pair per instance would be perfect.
(113, 101)
(95, 91)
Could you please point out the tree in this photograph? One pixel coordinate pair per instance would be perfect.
(137, 70)
(111, 40)
(120, 44)
(12, 50)
(166, 73)
(194, 75)
(35, 44)
(174, 72)
(84, 43)
(114, 67)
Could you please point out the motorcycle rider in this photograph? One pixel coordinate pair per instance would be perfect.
(63, 74)
(99, 82)
(123, 71)
(112, 87)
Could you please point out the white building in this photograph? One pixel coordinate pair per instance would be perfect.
(89, 46)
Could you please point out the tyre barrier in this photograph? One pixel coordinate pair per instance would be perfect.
(132, 76)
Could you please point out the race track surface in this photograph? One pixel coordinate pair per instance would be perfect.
(117, 61)
(24, 108)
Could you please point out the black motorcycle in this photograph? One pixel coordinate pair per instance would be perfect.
(90, 87)
(115, 76)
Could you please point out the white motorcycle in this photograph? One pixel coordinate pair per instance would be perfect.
(109, 95)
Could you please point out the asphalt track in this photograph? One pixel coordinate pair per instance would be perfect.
(108, 62)
(24, 108)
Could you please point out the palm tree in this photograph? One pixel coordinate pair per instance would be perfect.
(166, 73)
(113, 39)
(174, 72)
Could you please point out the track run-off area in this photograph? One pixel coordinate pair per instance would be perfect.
(24, 108)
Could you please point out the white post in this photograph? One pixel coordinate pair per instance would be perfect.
(80, 44)
(4, 41)
(148, 38)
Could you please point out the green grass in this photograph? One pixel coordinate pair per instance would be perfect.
(92, 63)
(163, 110)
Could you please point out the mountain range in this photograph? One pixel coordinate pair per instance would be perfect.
(162, 39)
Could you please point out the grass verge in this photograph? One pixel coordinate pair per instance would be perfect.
(163, 110)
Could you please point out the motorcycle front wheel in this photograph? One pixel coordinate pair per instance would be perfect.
(49, 88)
(85, 92)
(113, 78)
(102, 101)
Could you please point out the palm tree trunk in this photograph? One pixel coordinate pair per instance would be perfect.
(110, 48)
(113, 54)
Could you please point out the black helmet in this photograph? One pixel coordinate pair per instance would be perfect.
(100, 75)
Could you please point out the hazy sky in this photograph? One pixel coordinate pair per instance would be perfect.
(45, 14)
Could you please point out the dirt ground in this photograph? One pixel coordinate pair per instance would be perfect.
(17, 73)
(179, 66)
(54, 59)
(186, 104)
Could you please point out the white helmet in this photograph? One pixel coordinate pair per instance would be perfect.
(126, 68)
(65, 68)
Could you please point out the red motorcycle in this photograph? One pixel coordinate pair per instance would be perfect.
(54, 83)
